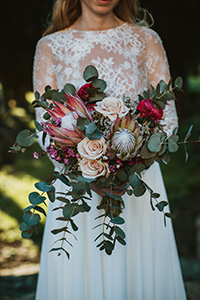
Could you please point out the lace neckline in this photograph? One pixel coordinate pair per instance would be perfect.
(98, 31)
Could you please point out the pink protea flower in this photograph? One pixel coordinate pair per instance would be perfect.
(126, 137)
(73, 108)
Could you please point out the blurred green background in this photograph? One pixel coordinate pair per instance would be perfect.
(21, 27)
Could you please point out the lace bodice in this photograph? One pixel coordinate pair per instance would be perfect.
(129, 58)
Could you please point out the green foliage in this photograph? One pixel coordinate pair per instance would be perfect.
(90, 73)
(25, 138)
(69, 89)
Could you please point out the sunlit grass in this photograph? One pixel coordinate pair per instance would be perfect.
(14, 192)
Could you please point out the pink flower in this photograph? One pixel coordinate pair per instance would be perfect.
(150, 109)
(83, 91)
(35, 155)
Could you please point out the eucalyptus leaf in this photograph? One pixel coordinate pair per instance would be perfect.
(74, 226)
(37, 95)
(44, 186)
(155, 142)
(24, 227)
(90, 73)
(91, 128)
(56, 231)
(24, 138)
(70, 210)
(160, 205)
(178, 83)
(108, 245)
(100, 84)
(97, 97)
(133, 179)
(40, 209)
(146, 153)
(139, 189)
(117, 220)
(188, 133)
(38, 126)
(46, 116)
(70, 89)
(51, 195)
(120, 232)
(26, 234)
(82, 123)
(163, 86)
(31, 219)
(121, 241)
(172, 143)
(35, 198)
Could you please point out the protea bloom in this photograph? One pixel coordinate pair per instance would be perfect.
(68, 134)
(150, 109)
(74, 105)
(126, 137)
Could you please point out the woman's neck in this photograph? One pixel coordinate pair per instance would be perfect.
(92, 23)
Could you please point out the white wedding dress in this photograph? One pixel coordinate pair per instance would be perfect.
(129, 58)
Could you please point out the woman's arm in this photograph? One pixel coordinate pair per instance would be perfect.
(43, 74)
(158, 68)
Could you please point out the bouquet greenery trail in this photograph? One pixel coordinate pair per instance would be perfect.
(101, 143)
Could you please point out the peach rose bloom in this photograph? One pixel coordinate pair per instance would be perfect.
(93, 168)
(92, 149)
(112, 107)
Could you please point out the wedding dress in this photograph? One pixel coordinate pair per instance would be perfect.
(129, 58)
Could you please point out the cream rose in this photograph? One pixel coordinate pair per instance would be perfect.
(93, 168)
(92, 149)
(112, 107)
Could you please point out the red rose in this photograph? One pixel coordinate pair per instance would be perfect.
(150, 109)
(83, 91)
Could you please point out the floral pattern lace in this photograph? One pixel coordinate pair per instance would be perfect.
(129, 58)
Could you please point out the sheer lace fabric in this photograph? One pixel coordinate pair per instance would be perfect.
(129, 58)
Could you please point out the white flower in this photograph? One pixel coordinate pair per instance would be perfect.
(93, 168)
(112, 107)
(68, 121)
(92, 149)
(126, 138)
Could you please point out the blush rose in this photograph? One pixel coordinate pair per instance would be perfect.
(93, 168)
(112, 107)
(92, 149)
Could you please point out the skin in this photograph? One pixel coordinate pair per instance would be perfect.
(97, 15)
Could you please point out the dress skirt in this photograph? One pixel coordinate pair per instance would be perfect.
(147, 268)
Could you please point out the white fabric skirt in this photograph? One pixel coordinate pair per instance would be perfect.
(147, 268)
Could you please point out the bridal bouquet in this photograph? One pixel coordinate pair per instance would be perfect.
(103, 144)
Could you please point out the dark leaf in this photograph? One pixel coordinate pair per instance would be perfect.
(24, 138)
(119, 232)
(24, 227)
(30, 218)
(44, 186)
(117, 220)
(35, 198)
(90, 73)
(121, 241)
(51, 195)
(26, 234)
(100, 84)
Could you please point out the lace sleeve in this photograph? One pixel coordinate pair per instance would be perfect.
(158, 68)
(43, 74)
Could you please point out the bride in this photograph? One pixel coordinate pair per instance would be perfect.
(129, 58)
